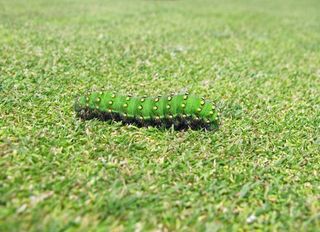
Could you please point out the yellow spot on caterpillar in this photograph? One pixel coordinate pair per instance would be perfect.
(100, 92)
(113, 95)
(184, 116)
(199, 109)
(127, 98)
(141, 118)
(87, 98)
(110, 110)
(185, 97)
(98, 99)
(156, 99)
(211, 112)
(207, 121)
(87, 105)
(97, 107)
(142, 99)
(155, 108)
(197, 118)
(125, 115)
(170, 116)
(183, 105)
(110, 102)
(202, 102)
(169, 98)
(125, 105)
(140, 107)
(168, 106)
(157, 118)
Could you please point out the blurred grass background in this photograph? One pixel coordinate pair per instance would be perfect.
(259, 60)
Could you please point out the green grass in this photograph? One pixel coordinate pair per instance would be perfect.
(259, 60)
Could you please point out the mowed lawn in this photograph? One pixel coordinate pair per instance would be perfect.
(258, 60)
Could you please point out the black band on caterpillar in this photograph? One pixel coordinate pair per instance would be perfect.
(182, 111)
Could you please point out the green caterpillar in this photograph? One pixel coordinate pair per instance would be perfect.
(182, 111)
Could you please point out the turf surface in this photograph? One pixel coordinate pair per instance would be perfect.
(259, 60)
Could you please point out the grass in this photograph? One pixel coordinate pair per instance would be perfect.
(259, 60)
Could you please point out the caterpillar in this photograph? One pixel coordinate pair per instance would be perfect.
(180, 111)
